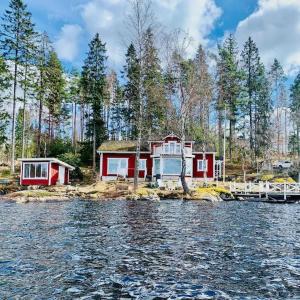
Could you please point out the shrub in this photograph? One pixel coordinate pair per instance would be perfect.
(70, 158)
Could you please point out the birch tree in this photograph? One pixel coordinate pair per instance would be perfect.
(16, 28)
(184, 80)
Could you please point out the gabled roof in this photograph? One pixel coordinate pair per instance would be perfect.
(125, 146)
(47, 159)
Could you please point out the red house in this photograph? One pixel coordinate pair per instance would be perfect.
(44, 171)
(158, 159)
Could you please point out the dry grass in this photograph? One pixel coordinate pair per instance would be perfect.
(118, 146)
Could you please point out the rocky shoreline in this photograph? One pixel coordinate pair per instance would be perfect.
(111, 191)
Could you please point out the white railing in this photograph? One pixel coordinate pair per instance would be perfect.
(169, 150)
(265, 188)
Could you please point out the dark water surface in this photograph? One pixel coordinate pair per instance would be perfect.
(142, 250)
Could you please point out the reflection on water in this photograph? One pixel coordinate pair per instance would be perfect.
(143, 250)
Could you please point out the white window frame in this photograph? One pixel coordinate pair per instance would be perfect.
(203, 164)
(163, 165)
(144, 160)
(117, 158)
(35, 163)
(174, 147)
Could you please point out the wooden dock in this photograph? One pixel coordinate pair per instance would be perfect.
(266, 192)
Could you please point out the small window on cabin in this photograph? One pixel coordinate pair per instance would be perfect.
(26, 170)
(178, 147)
(201, 165)
(44, 170)
(142, 166)
(32, 170)
(38, 170)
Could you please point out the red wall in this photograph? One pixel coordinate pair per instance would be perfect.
(54, 173)
(210, 166)
(33, 181)
(131, 163)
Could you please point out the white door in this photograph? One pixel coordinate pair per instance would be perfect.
(61, 175)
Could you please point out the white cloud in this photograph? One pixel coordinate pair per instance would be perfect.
(67, 44)
(197, 17)
(275, 27)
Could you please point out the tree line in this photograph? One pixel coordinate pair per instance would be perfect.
(160, 89)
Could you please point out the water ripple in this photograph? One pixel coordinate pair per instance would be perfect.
(141, 250)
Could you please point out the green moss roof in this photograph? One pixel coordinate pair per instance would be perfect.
(121, 146)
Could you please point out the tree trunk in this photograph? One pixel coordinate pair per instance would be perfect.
(185, 187)
(139, 140)
(40, 119)
(75, 129)
(24, 111)
(94, 147)
(220, 135)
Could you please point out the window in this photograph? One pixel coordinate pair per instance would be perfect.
(118, 166)
(156, 166)
(178, 148)
(172, 147)
(189, 166)
(142, 166)
(202, 165)
(35, 170)
(172, 166)
(166, 148)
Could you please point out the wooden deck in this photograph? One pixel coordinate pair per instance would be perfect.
(275, 192)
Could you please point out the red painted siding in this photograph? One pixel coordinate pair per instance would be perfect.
(210, 166)
(131, 163)
(33, 181)
(54, 173)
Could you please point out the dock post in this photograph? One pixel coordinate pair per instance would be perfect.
(284, 191)
(267, 190)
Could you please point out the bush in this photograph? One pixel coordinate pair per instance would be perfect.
(76, 174)
(58, 147)
(70, 158)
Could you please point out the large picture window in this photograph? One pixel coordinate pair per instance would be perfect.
(35, 170)
(118, 166)
(172, 166)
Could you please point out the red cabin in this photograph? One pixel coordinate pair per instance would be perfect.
(158, 159)
(44, 171)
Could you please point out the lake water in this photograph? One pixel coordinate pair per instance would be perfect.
(143, 250)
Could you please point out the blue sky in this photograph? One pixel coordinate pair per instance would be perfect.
(273, 24)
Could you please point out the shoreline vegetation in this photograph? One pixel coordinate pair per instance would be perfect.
(119, 190)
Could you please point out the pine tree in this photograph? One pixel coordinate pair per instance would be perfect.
(4, 85)
(154, 98)
(229, 87)
(295, 109)
(73, 96)
(55, 93)
(264, 108)
(251, 67)
(16, 29)
(204, 89)
(131, 74)
(41, 88)
(117, 109)
(93, 74)
(278, 79)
